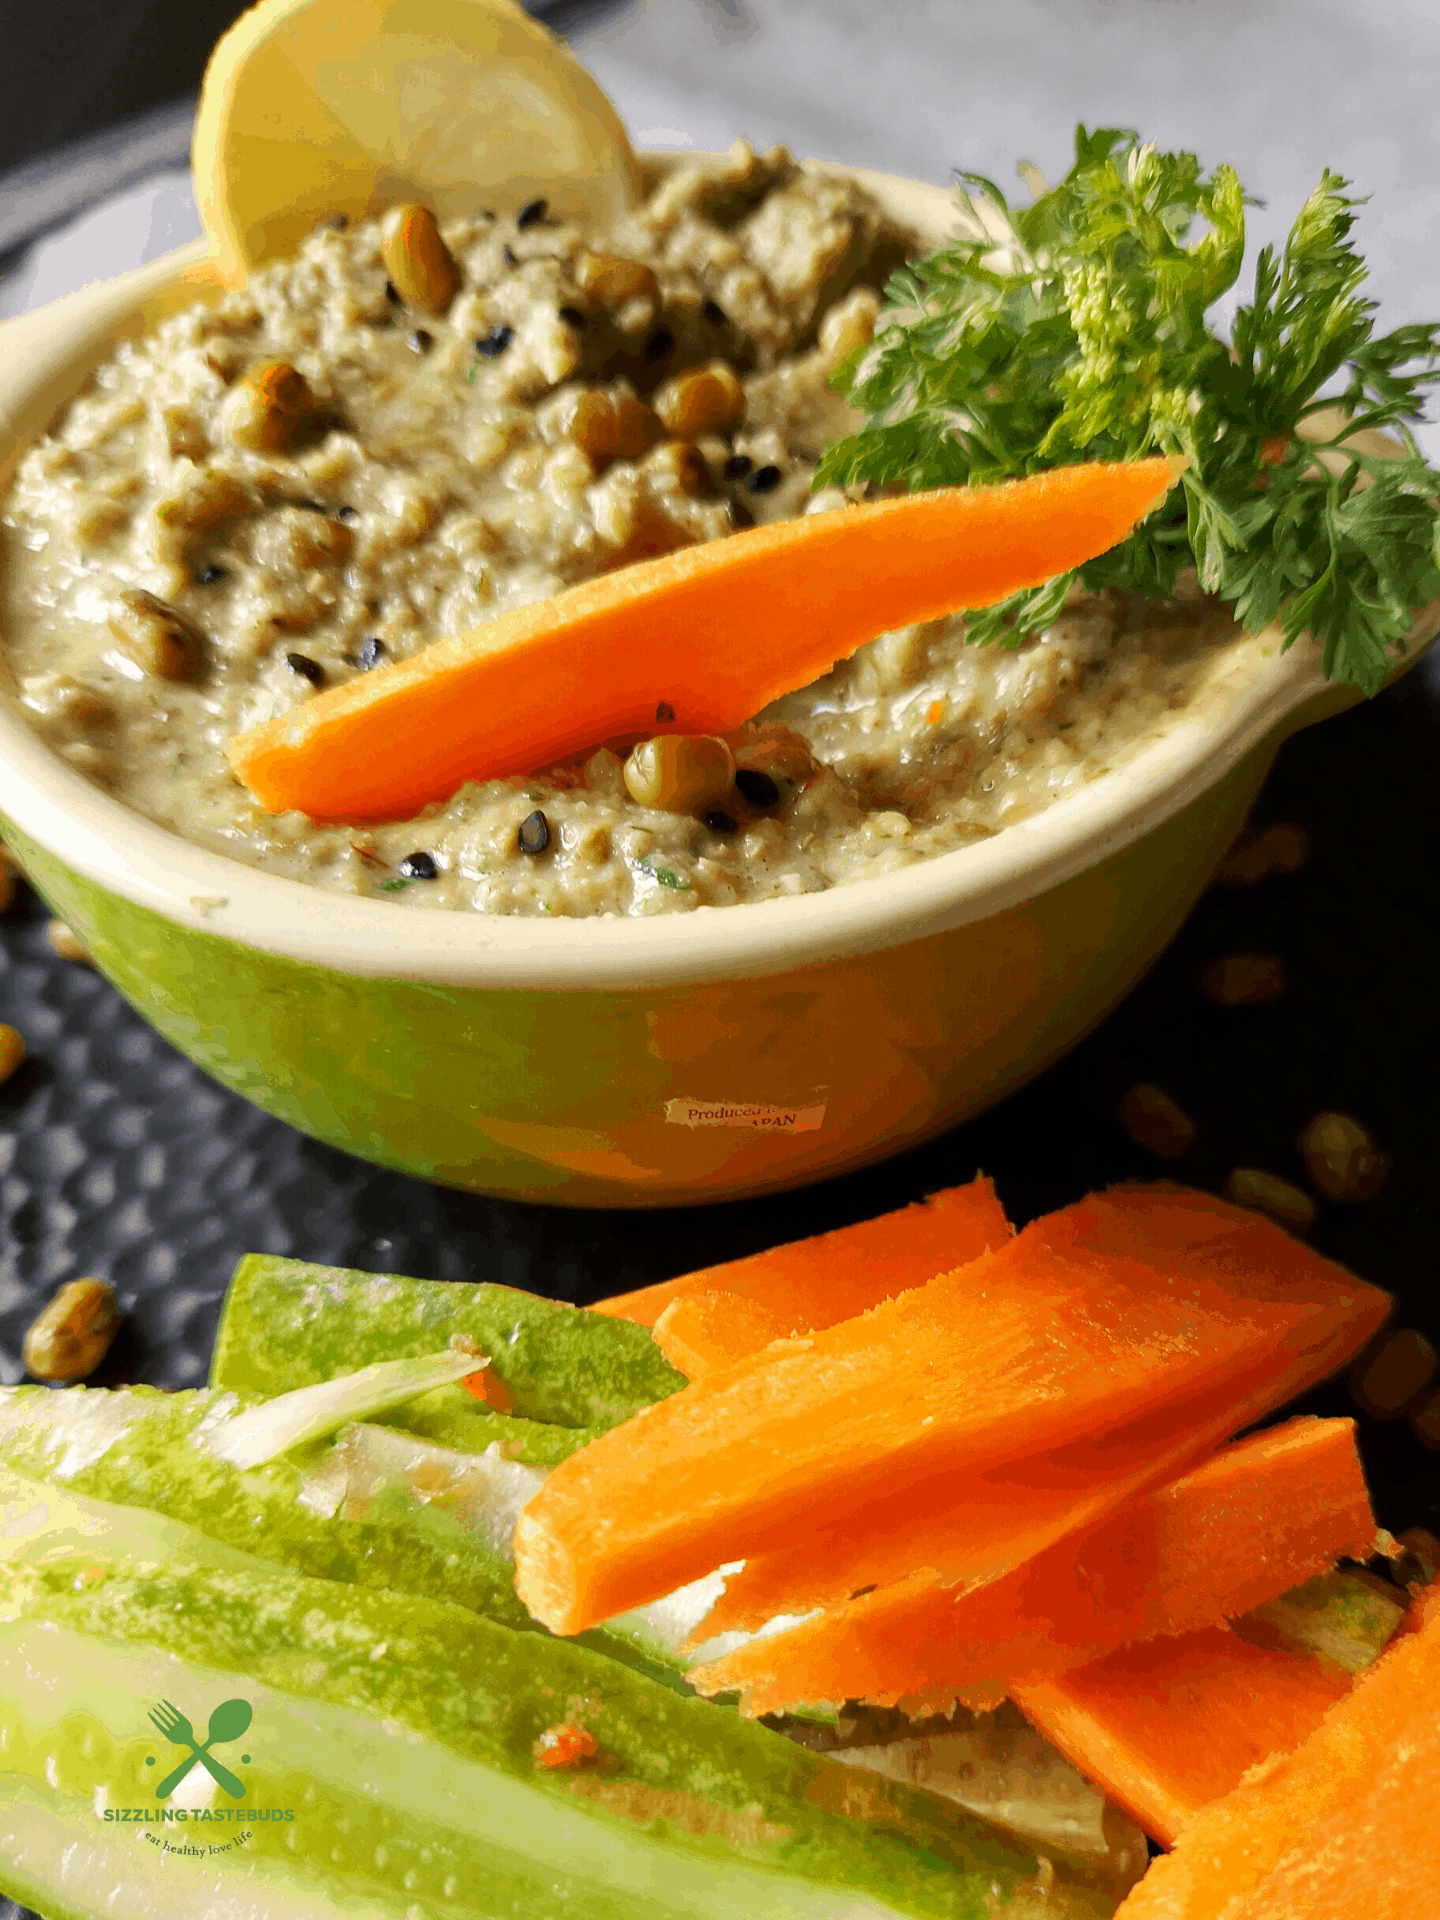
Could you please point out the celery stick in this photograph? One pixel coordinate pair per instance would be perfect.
(288, 1324)
(401, 1734)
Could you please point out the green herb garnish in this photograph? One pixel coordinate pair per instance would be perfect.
(393, 886)
(665, 875)
(1075, 329)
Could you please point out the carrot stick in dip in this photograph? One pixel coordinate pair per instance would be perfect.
(713, 633)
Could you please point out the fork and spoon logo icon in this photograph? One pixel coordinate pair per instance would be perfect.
(227, 1722)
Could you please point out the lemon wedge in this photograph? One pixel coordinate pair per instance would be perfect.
(312, 108)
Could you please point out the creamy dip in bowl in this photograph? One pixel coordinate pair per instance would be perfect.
(752, 1021)
(185, 559)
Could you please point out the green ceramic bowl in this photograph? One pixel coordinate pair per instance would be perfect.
(630, 1063)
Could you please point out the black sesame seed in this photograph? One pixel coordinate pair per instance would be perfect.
(718, 821)
(740, 514)
(737, 466)
(392, 294)
(419, 866)
(764, 480)
(307, 668)
(714, 313)
(491, 345)
(338, 222)
(660, 344)
(532, 213)
(534, 833)
(209, 575)
(758, 788)
(573, 317)
(347, 513)
(664, 711)
(509, 257)
(372, 652)
(421, 341)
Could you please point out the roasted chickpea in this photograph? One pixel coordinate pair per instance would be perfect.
(680, 772)
(610, 279)
(267, 405)
(73, 1334)
(155, 639)
(709, 400)
(421, 267)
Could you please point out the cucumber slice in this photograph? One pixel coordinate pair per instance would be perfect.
(391, 1479)
(39, 1522)
(1001, 1768)
(453, 1417)
(1344, 1617)
(685, 1811)
(378, 1508)
(286, 1324)
(262, 1433)
(142, 1448)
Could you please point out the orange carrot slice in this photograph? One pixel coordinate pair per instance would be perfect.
(1052, 1342)
(1378, 1861)
(1169, 1725)
(715, 632)
(833, 1276)
(1242, 1528)
(978, 1526)
(1322, 1811)
(699, 1333)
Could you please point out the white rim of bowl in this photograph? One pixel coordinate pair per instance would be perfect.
(121, 851)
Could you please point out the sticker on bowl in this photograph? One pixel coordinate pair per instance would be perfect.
(744, 1113)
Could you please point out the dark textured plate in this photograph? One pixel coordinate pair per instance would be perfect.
(119, 1158)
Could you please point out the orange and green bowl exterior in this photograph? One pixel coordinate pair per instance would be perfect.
(668, 1095)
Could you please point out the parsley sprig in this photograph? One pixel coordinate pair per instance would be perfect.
(1076, 329)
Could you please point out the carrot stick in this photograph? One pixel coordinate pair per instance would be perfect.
(715, 632)
(1376, 1861)
(1169, 1725)
(1050, 1343)
(699, 1333)
(1367, 1779)
(833, 1276)
(1242, 1528)
(978, 1526)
